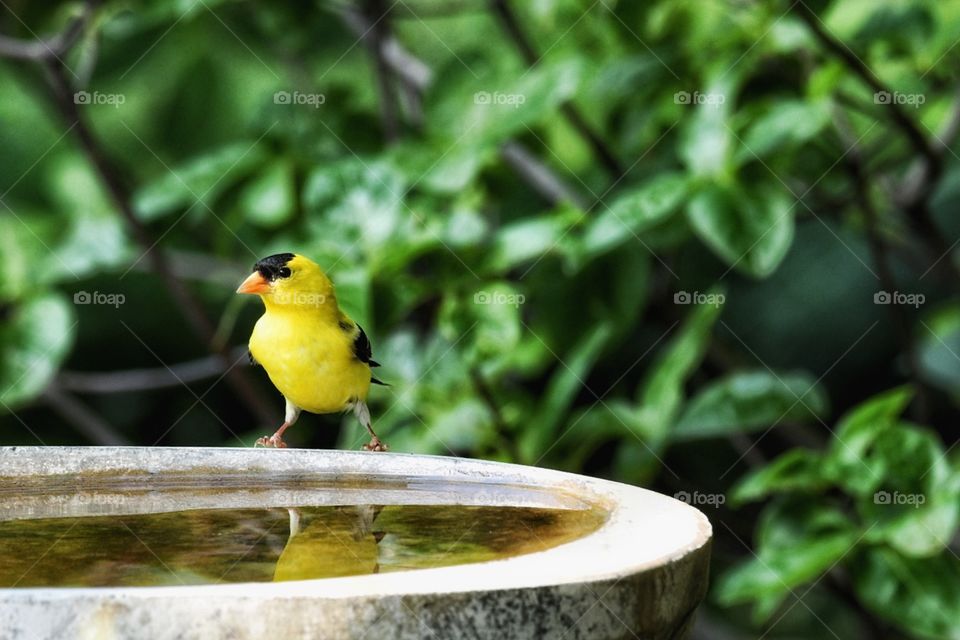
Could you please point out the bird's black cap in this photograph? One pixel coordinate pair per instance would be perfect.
(275, 266)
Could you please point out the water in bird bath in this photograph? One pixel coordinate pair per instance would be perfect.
(112, 537)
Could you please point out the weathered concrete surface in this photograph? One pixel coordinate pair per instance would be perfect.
(641, 574)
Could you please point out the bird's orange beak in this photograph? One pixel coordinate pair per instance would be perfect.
(255, 283)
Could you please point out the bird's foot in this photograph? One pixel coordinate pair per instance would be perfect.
(375, 445)
(274, 441)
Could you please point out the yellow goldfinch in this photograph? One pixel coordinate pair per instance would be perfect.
(315, 355)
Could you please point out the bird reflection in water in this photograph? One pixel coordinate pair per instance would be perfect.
(333, 543)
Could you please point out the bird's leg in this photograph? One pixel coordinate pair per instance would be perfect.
(276, 440)
(363, 415)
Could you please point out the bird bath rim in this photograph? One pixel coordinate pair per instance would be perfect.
(646, 529)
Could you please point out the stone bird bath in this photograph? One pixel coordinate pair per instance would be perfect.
(119, 543)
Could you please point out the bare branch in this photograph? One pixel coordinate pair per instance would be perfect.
(146, 379)
(538, 175)
(409, 68)
(51, 48)
(923, 175)
(919, 180)
(415, 78)
(379, 32)
(505, 438)
(92, 426)
(47, 54)
(111, 178)
(511, 24)
(896, 111)
(854, 163)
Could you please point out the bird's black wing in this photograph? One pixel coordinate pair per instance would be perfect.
(363, 352)
(361, 348)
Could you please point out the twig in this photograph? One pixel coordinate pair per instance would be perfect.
(511, 24)
(48, 54)
(878, 248)
(92, 426)
(919, 180)
(502, 429)
(110, 177)
(538, 175)
(415, 77)
(51, 48)
(896, 111)
(199, 267)
(924, 175)
(147, 379)
(409, 68)
(379, 32)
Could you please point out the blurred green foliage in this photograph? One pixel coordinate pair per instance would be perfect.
(708, 317)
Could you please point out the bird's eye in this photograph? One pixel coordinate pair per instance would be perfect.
(284, 272)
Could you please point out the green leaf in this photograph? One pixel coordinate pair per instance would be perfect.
(938, 343)
(778, 573)
(16, 254)
(70, 244)
(465, 425)
(34, 343)
(589, 428)
(269, 200)
(749, 401)
(199, 180)
(706, 138)
(846, 460)
(452, 166)
(797, 543)
(661, 394)
(750, 232)
(502, 103)
(530, 238)
(334, 195)
(634, 212)
(871, 417)
(562, 389)
(921, 596)
(784, 126)
(353, 294)
(795, 471)
(916, 508)
(96, 237)
(486, 322)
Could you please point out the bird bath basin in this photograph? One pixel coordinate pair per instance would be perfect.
(245, 543)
